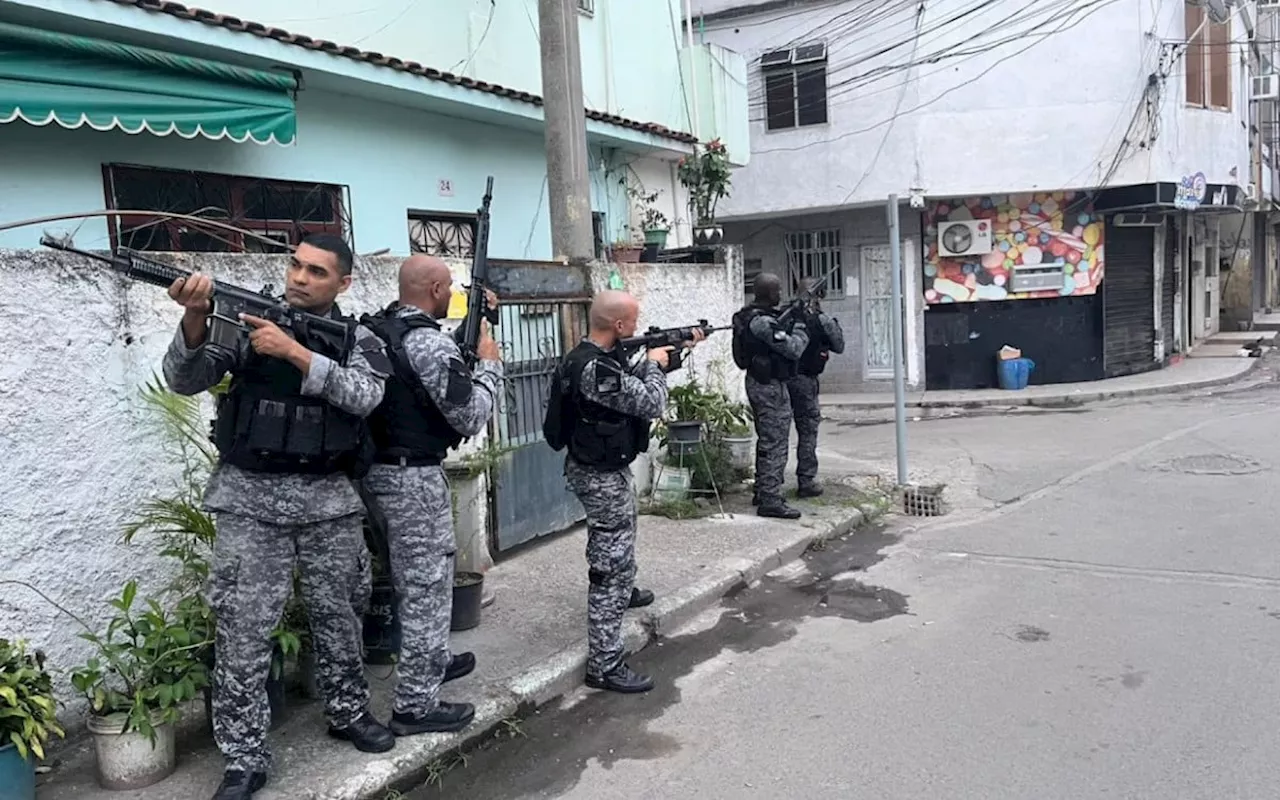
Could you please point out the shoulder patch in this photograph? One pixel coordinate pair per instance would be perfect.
(458, 391)
(608, 377)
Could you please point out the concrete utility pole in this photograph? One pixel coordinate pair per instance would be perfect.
(899, 390)
(568, 188)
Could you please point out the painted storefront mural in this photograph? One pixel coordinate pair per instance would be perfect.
(1031, 234)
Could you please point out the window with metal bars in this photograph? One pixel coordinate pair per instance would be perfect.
(444, 234)
(813, 255)
(284, 211)
(795, 86)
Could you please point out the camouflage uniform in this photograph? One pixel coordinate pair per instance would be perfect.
(771, 409)
(803, 391)
(266, 524)
(418, 506)
(608, 496)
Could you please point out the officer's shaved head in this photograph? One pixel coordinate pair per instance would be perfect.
(426, 282)
(767, 289)
(613, 314)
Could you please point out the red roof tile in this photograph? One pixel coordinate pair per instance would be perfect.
(258, 29)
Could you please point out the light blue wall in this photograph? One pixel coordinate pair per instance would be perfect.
(390, 157)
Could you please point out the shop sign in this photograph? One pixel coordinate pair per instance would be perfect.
(1191, 191)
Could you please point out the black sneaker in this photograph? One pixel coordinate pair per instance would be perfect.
(460, 665)
(446, 717)
(239, 785)
(366, 733)
(621, 679)
(778, 509)
(640, 598)
(809, 490)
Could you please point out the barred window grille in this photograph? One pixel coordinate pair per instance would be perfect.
(440, 234)
(814, 254)
(280, 211)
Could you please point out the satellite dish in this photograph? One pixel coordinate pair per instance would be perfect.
(1218, 11)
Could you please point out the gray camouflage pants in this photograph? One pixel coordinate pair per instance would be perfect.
(610, 502)
(771, 410)
(252, 573)
(803, 390)
(418, 507)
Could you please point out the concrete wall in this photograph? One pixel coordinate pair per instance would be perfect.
(764, 240)
(1007, 108)
(391, 158)
(81, 450)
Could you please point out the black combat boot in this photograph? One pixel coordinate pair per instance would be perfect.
(809, 489)
(460, 665)
(621, 679)
(239, 785)
(777, 507)
(366, 733)
(640, 598)
(446, 717)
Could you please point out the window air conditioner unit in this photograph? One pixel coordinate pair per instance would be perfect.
(1264, 87)
(1138, 220)
(1251, 191)
(969, 237)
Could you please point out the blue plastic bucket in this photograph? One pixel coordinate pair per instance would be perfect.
(17, 775)
(1013, 373)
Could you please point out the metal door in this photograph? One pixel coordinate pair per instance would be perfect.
(1128, 307)
(877, 310)
(530, 495)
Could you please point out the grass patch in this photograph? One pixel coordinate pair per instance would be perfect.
(673, 509)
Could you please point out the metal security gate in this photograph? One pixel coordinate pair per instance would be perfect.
(1128, 301)
(530, 497)
(1169, 288)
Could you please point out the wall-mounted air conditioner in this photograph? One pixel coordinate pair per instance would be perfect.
(966, 237)
(1137, 220)
(1264, 87)
(1251, 191)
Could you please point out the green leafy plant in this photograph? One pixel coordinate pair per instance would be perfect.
(28, 711)
(694, 400)
(706, 175)
(146, 662)
(651, 219)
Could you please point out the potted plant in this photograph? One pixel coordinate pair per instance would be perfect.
(652, 221)
(706, 175)
(145, 667)
(738, 439)
(626, 251)
(27, 717)
(468, 586)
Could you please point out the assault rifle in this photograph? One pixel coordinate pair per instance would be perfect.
(229, 301)
(657, 337)
(477, 303)
(803, 301)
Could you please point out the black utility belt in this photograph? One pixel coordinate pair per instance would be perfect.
(408, 461)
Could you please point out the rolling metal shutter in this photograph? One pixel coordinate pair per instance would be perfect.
(1128, 298)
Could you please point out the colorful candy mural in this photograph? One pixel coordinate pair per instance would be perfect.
(1028, 230)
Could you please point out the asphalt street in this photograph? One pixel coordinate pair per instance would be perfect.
(1097, 616)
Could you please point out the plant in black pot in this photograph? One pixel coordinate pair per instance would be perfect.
(706, 176)
(144, 669)
(28, 717)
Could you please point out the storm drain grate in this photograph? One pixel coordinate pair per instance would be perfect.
(923, 501)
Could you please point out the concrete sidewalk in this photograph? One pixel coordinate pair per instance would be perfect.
(1189, 374)
(530, 645)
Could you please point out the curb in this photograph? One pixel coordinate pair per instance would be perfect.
(1055, 400)
(414, 757)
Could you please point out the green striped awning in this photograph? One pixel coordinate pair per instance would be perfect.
(48, 77)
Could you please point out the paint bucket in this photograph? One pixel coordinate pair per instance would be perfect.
(468, 594)
(17, 774)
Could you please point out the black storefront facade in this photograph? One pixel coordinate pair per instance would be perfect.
(1139, 317)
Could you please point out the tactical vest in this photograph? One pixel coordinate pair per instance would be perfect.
(407, 424)
(814, 358)
(265, 424)
(763, 363)
(598, 436)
